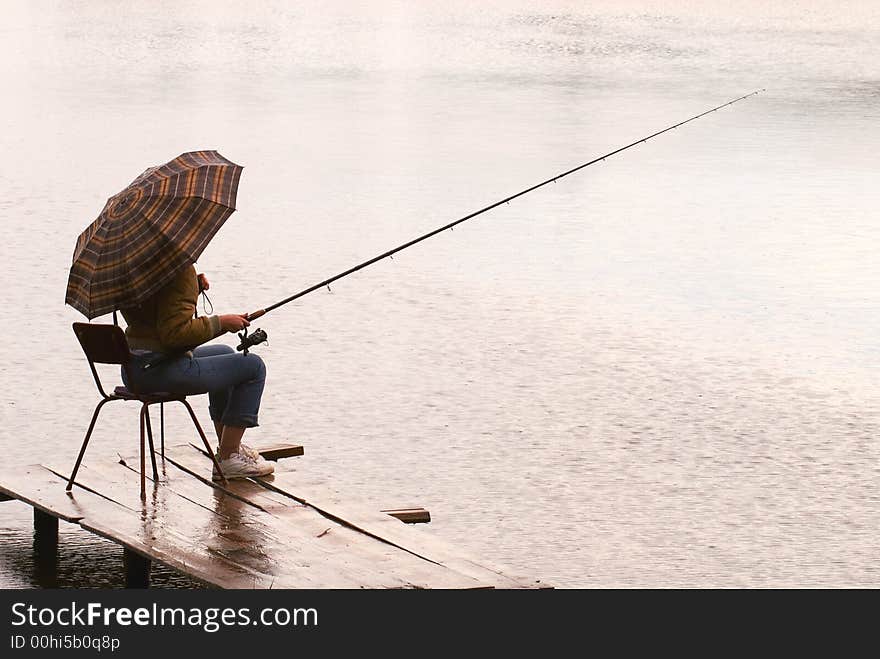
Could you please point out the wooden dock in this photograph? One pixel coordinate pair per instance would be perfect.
(282, 531)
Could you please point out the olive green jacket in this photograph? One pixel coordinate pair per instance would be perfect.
(165, 323)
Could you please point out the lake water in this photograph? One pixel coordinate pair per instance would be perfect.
(658, 372)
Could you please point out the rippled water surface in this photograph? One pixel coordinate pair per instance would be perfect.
(660, 371)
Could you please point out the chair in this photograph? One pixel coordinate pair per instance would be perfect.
(106, 344)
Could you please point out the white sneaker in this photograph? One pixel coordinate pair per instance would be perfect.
(242, 465)
(253, 453)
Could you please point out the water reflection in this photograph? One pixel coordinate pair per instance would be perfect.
(642, 354)
(82, 559)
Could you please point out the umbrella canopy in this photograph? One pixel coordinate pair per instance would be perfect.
(150, 231)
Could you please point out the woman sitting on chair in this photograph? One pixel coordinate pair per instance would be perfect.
(163, 331)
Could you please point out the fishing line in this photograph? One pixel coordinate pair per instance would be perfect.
(249, 341)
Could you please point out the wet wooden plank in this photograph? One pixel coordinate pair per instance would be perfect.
(246, 490)
(310, 527)
(194, 532)
(141, 529)
(417, 541)
(409, 515)
(305, 484)
(209, 570)
(310, 553)
(279, 451)
(350, 547)
(45, 491)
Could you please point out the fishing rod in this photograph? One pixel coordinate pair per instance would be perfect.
(259, 335)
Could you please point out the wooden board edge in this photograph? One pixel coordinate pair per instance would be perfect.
(277, 452)
(491, 574)
(100, 530)
(448, 555)
(39, 505)
(409, 515)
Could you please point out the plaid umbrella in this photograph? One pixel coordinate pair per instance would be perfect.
(150, 231)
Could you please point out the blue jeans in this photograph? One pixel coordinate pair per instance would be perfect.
(234, 382)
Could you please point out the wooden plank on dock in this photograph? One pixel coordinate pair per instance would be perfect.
(191, 532)
(45, 491)
(350, 544)
(311, 553)
(412, 539)
(138, 528)
(376, 524)
(409, 515)
(279, 451)
(252, 533)
(418, 572)
(207, 569)
(245, 490)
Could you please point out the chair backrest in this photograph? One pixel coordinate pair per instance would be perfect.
(103, 344)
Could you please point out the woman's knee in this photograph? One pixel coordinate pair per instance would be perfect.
(257, 366)
(213, 350)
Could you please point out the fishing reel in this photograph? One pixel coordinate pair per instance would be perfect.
(247, 342)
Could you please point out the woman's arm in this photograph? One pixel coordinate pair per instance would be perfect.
(176, 305)
(232, 322)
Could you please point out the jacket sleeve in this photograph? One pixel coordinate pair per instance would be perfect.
(175, 323)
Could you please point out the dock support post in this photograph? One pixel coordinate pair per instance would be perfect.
(45, 549)
(137, 569)
(45, 530)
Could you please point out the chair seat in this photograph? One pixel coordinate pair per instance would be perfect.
(155, 397)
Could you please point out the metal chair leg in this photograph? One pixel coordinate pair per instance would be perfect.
(85, 443)
(143, 457)
(150, 439)
(204, 439)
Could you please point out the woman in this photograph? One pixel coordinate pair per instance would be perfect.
(165, 326)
